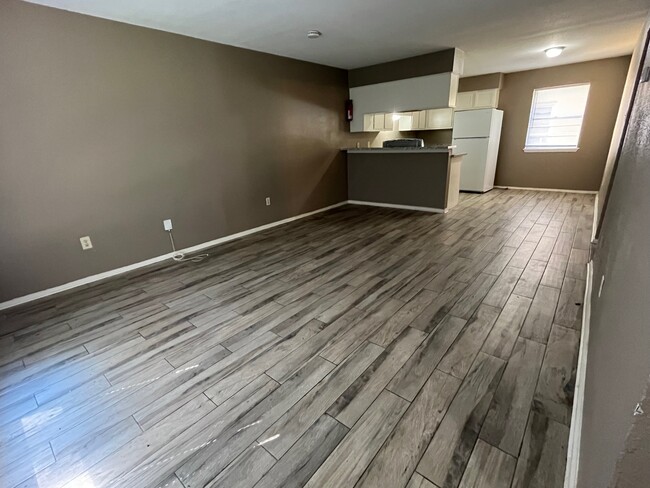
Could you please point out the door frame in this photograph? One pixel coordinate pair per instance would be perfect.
(621, 142)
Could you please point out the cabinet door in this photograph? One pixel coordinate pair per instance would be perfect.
(486, 98)
(389, 123)
(378, 122)
(439, 118)
(415, 120)
(465, 100)
(405, 122)
(420, 120)
(368, 122)
(423, 119)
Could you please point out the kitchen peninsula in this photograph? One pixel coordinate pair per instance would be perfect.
(422, 178)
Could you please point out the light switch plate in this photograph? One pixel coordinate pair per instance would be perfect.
(86, 243)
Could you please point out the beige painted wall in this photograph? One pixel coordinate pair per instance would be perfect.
(581, 170)
(106, 129)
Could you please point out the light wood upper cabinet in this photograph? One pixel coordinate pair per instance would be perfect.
(381, 122)
(405, 121)
(465, 100)
(487, 98)
(389, 123)
(440, 118)
(422, 120)
(377, 122)
(419, 120)
(431, 119)
(368, 122)
(477, 99)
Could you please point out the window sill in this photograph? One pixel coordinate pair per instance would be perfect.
(550, 149)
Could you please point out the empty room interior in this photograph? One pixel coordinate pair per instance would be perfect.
(324, 244)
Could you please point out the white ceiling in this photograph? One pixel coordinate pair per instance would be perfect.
(496, 35)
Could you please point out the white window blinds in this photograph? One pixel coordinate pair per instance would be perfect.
(556, 118)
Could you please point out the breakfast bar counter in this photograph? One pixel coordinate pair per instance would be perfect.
(424, 178)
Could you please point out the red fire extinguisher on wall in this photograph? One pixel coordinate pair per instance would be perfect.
(348, 110)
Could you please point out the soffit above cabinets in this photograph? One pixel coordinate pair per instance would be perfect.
(433, 91)
(447, 60)
(434, 87)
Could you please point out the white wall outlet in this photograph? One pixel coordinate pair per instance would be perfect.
(268, 201)
(167, 224)
(86, 243)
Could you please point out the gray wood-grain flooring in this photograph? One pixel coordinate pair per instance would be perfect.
(360, 347)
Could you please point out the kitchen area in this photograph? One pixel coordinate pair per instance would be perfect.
(435, 138)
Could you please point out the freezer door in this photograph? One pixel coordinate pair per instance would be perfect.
(472, 123)
(473, 167)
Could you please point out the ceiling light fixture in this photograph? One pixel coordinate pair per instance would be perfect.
(314, 34)
(554, 52)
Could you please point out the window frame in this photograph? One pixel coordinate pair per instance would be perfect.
(567, 149)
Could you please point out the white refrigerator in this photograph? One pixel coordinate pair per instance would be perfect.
(477, 133)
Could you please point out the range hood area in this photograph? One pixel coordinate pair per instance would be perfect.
(411, 94)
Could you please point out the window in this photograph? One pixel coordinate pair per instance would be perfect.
(556, 118)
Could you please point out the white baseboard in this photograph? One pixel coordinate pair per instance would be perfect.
(575, 432)
(125, 269)
(393, 205)
(588, 192)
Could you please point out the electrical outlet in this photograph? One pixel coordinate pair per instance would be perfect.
(268, 201)
(86, 243)
(167, 224)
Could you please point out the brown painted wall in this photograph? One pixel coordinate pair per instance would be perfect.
(481, 82)
(581, 170)
(618, 360)
(107, 128)
(425, 64)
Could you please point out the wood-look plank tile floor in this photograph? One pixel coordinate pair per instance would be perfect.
(361, 347)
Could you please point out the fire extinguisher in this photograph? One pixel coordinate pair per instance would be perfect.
(348, 110)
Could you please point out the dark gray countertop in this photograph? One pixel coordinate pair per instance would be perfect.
(426, 149)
